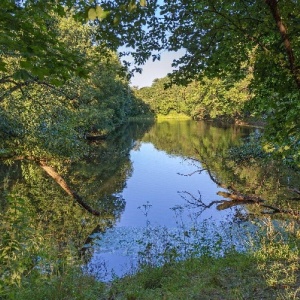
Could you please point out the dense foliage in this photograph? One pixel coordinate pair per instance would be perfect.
(45, 232)
(224, 40)
(204, 99)
(43, 120)
(58, 86)
(246, 167)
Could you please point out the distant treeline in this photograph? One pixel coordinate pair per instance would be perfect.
(206, 99)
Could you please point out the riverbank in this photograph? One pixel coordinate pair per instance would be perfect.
(249, 121)
(172, 116)
(269, 269)
(235, 276)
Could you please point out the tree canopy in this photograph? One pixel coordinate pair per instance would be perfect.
(205, 99)
(225, 39)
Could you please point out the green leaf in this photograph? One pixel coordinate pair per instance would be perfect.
(143, 3)
(101, 13)
(92, 14)
(25, 64)
(21, 74)
(2, 66)
(116, 20)
(132, 6)
(56, 82)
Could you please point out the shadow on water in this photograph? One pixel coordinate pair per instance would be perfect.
(38, 217)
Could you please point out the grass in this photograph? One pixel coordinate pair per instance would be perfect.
(269, 269)
(70, 284)
(173, 115)
(235, 276)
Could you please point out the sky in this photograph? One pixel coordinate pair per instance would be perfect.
(153, 70)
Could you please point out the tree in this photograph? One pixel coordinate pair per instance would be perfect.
(203, 99)
(47, 123)
(28, 31)
(224, 39)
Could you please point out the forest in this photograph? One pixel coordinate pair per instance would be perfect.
(65, 82)
(241, 59)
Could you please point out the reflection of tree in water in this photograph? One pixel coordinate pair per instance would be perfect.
(103, 174)
(182, 138)
(40, 219)
(249, 180)
(234, 197)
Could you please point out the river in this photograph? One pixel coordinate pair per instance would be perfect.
(153, 184)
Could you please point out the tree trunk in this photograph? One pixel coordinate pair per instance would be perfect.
(285, 38)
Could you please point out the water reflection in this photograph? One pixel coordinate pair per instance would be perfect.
(147, 179)
(181, 175)
(164, 169)
(47, 225)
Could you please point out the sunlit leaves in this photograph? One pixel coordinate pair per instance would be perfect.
(42, 116)
(97, 12)
(209, 98)
(132, 6)
(30, 31)
(143, 3)
(92, 14)
(222, 40)
(101, 14)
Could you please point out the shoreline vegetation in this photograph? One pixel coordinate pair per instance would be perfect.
(62, 82)
(248, 121)
(267, 269)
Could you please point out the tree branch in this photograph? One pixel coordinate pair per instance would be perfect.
(62, 183)
(235, 197)
(273, 5)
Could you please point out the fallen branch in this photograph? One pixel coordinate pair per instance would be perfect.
(235, 197)
(62, 183)
(241, 197)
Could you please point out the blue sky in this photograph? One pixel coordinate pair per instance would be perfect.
(157, 69)
(153, 70)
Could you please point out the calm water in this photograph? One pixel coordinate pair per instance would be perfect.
(148, 182)
(165, 176)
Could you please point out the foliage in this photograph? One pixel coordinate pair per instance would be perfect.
(43, 240)
(278, 251)
(39, 237)
(241, 164)
(224, 40)
(58, 81)
(69, 226)
(267, 269)
(251, 149)
(69, 284)
(41, 120)
(29, 31)
(204, 99)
